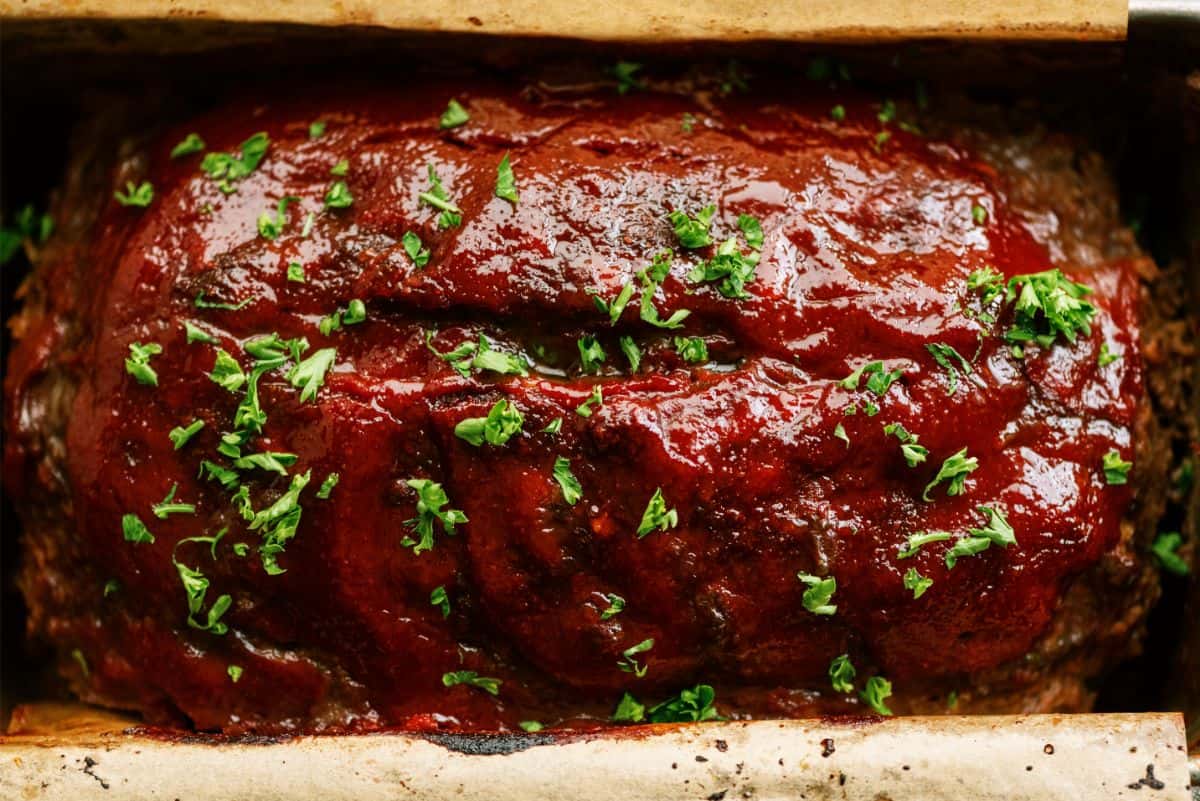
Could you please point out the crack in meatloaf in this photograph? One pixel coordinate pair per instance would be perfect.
(568, 406)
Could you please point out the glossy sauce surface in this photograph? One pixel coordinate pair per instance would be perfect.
(866, 255)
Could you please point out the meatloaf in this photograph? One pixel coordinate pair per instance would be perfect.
(480, 405)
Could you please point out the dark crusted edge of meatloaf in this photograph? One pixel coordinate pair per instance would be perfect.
(1072, 180)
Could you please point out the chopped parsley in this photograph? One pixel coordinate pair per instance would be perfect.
(632, 352)
(687, 122)
(979, 214)
(326, 488)
(530, 726)
(502, 422)
(571, 489)
(997, 531)
(436, 196)
(596, 399)
(138, 362)
(914, 581)
(135, 530)
(839, 431)
(624, 71)
(354, 313)
(942, 354)
(235, 673)
(227, 169)
(227, 372)
(1047, 305)
(752, 230)
(169, 506)
(195, 587)
(192, 143)
(629, 710)
(454, 116)
(1116, 469)
(657, 516)
(988, 283)
(341, 169)
(616, 306)
(616, 605)
(693, 232)
(271, 461)
(506, 182)
(316, 129)
(139, 195)
(954, 470)
(201, 303)
(111, 586)
(338, 196)
(215, 472)
(278, 523)
(1166, 551)
(591, 354)
(837, 113)
(879, 380)
(878, 690)
(692, 350)
(628, 661)
(690, 706)
(270, 227)
(295, 272)
(914, 542)
(554, 426)
(308, 375)
(27, 225)
(440, 599)
(472, 679)
(841, 674)
(651, 278)
(729, 266)
(478, 356)
(820, 591)
(412, 246)
(430, 500)
(914, 454)
(1107, 355)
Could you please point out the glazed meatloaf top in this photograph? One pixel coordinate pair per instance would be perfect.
(352, 408)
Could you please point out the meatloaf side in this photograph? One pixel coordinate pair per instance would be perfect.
(625, 396)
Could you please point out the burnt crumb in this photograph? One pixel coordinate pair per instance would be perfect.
(1029, 767)
(476, 21)
(781, 762)
(841, 780)
(738, 768)
(701, 758)
(1133, 749)
(827, 747)
(905, 767)
(674, 766)
(1148, 781)
(1048, 750)
(718, 796)
(88, 764)
(722, 746)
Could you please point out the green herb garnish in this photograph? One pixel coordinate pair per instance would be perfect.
(657, 516)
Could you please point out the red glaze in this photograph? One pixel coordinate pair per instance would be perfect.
(866, 257)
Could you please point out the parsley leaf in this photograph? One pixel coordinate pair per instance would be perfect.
(693, 232)
(235, 673)
(987, 282)
(841, 674)
(295, 272)
(278, 523)
(227, 372)
(338, 196)
(554, 426)
(624, 71)
(530, 726)
(168, 506)
(192, 143)
(309, 375)
(271, 461)
(616, 605)
(341, 169)
(979, 214)
(838, 113)
(591, 354)
(139, 195)
(437, 197)
(616, 306)
(179, 435)
(629, 710)
(454, 115)
(839, 431)
(502, 422)
(632, 352)
(1116, 469)
(628, 662)
(955, 470)
(1165, 550)
(326, 488)
(1047, 305)
(595, 399)
(997, 531)
(201, 303)
(942, 354)
(820, 591)
(651, 278)
(430, 500)
(134, 530)
(657, 516)
(316, 129)
(752, 230)
(506, 182)
(138, 362)
(913, 453)
(412, 246)
(481, 356)
(571, 489)
(1107, 356)
(914, 581)
(226, 169)
(440, 599)
(729, 266)
(691, 705)
(472, 679)
(692, 350)
(215, 472)
(270, 227)
(914, 542)
(878, 689)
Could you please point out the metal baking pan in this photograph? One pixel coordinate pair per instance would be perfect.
(1135, 748)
